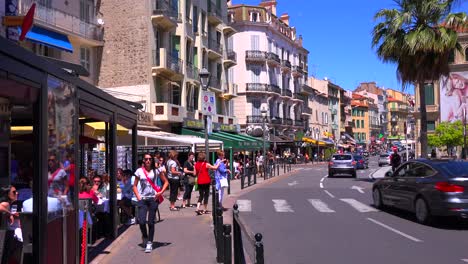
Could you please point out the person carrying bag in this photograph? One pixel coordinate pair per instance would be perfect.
(189, 171)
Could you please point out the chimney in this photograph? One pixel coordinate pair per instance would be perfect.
(285, 18)
(269, 5)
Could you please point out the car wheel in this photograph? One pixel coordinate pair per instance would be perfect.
(422, 212)
(380, 165)
(354, 175)
(377, 197)
(330, 175)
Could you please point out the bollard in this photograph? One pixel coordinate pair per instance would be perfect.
(284, 167)
(243, 178)
(255, 176)
(277, 169)
(237, 237)
(219, 235)
(259, 258)
(227, 244)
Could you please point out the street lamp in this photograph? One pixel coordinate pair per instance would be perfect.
(205, 76)
(264, 115)
(464, 132)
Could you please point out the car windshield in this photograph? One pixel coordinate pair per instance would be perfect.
(357, 157)
(341, 157)
(453, 169)
(384, 155)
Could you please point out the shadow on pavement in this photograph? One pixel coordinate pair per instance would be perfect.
(99, 247)
(156, 244)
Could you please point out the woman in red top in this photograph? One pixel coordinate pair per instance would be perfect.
(204, 181)
(86, 190)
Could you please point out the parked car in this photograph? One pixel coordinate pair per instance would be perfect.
(384, 159)
(425, 187)
(361, 162)
(342, 164)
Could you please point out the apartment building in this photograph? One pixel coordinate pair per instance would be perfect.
(445, 98)
(66, 32)
(379, 95)
(319, 120)
(155, 50)
(271, 71)
(334, 92)
(360, 115)
(398, 114)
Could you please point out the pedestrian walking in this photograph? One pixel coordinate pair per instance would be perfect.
(189, 182)
(148, 191)
(221, 175)
(395, 159)
(204, 181)
(173, 175)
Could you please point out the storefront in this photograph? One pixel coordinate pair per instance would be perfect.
(51, 107)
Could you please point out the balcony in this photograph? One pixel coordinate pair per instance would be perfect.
(228, 30)
(167, 65)
(286, 93)
(401, 108)
(299, 123)
(334, 126)
(306, 110)
(229, 91)
(285, 65)
(375, 127)
(297, 71)
(274, 89)
(299, 97)
(169, 113)
(64, 22)
(215, 51)
(214, 14)
(256, 87)
(256, 119)
(287, 121)
(231, 59)
(305, 89)
(255, 56)
(164, 15)
(191, 72)
(273, 59)
(334, 111)
(215, 84)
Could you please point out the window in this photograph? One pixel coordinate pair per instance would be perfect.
(46, 3)
(255, 73)
(362, 123)
(358, 125)
(316, 116)
(354, 123)
(86, 10)
(195, 19)
(254, 16)
(187, 10)
(431, 125)
(203, 22)
(175, 94)
(326, 118)
(255, 42)
(466, 54)
(256, 107)
(363, 136)
(451, 58)
(85, 55)
(429, 89)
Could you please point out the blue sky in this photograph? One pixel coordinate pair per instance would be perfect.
(337, 34)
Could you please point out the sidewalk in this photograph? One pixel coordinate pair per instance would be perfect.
(180, 237)
(380, 173)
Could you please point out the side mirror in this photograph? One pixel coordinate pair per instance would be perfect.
(388, 174)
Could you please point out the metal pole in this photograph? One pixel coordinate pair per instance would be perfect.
(207, 142)
(464, 132)
(264, 150)
(406, 139)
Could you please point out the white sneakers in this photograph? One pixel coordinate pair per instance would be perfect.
(149, 247)
(131, 221)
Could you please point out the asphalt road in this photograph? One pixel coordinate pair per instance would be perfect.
(309, 218)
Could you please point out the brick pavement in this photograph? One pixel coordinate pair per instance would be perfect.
(180, 237)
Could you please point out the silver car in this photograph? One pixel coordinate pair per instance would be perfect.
(384, 159)
(342, 164)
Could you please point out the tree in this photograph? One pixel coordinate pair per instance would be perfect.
(447, 134)
(419, 36)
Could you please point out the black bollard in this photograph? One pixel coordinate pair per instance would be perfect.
(237, 237)
(243, 178)
(259, 258)
(227, 244)
(277, 169)
(219, 235)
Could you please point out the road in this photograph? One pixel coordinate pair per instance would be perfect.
(309, 218)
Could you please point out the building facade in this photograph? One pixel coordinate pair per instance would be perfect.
(379, 96)
(271, 71)
(155, 50)
(63, 31)
(360, 115)
(398, 114)
(319, 121)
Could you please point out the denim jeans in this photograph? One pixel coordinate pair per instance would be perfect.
(147, 207)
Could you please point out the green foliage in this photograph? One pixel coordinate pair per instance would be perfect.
(328, 153)
(447, 134)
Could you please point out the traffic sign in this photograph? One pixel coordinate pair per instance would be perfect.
(208, 103)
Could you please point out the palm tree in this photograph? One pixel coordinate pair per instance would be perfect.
(419, 36)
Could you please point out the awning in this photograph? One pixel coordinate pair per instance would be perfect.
(328, 141)
(99, 129)
(313, 141)
(349, 138)
(49, 38)
(165, 138)
(233, 141)
(278, 140)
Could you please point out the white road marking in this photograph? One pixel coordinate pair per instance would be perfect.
(321, 181)
(465, 260)
(363, 208)
(320, 206)
(282, 206)
(359, 189)
(329, 194)
(292, 183)
(321, 185)
(394, 230)
(244, 205)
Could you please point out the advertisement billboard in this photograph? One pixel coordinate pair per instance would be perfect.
(453, 93)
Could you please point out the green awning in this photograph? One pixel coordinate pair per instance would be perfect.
(232, 141)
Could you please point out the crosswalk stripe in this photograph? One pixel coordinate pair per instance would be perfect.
(244, 205)
(363, 208)
(320, 206)
(282, 206)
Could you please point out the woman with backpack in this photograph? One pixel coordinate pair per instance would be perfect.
(149, 194)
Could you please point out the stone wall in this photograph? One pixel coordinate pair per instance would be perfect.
(127, 52)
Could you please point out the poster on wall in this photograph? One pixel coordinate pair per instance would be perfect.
(453, 92)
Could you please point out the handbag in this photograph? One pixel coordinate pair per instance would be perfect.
(155, 187)
(223, 182)
(191, 179)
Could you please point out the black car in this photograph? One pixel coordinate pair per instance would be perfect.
(425, 187)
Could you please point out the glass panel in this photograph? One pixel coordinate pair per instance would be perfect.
(430, 125)
(61, 124)
(429, 87)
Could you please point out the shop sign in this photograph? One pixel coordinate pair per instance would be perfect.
(228, 128)
(13, 21)
(145, 118)
(191, 123)
(151, 149)
(11, 9)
